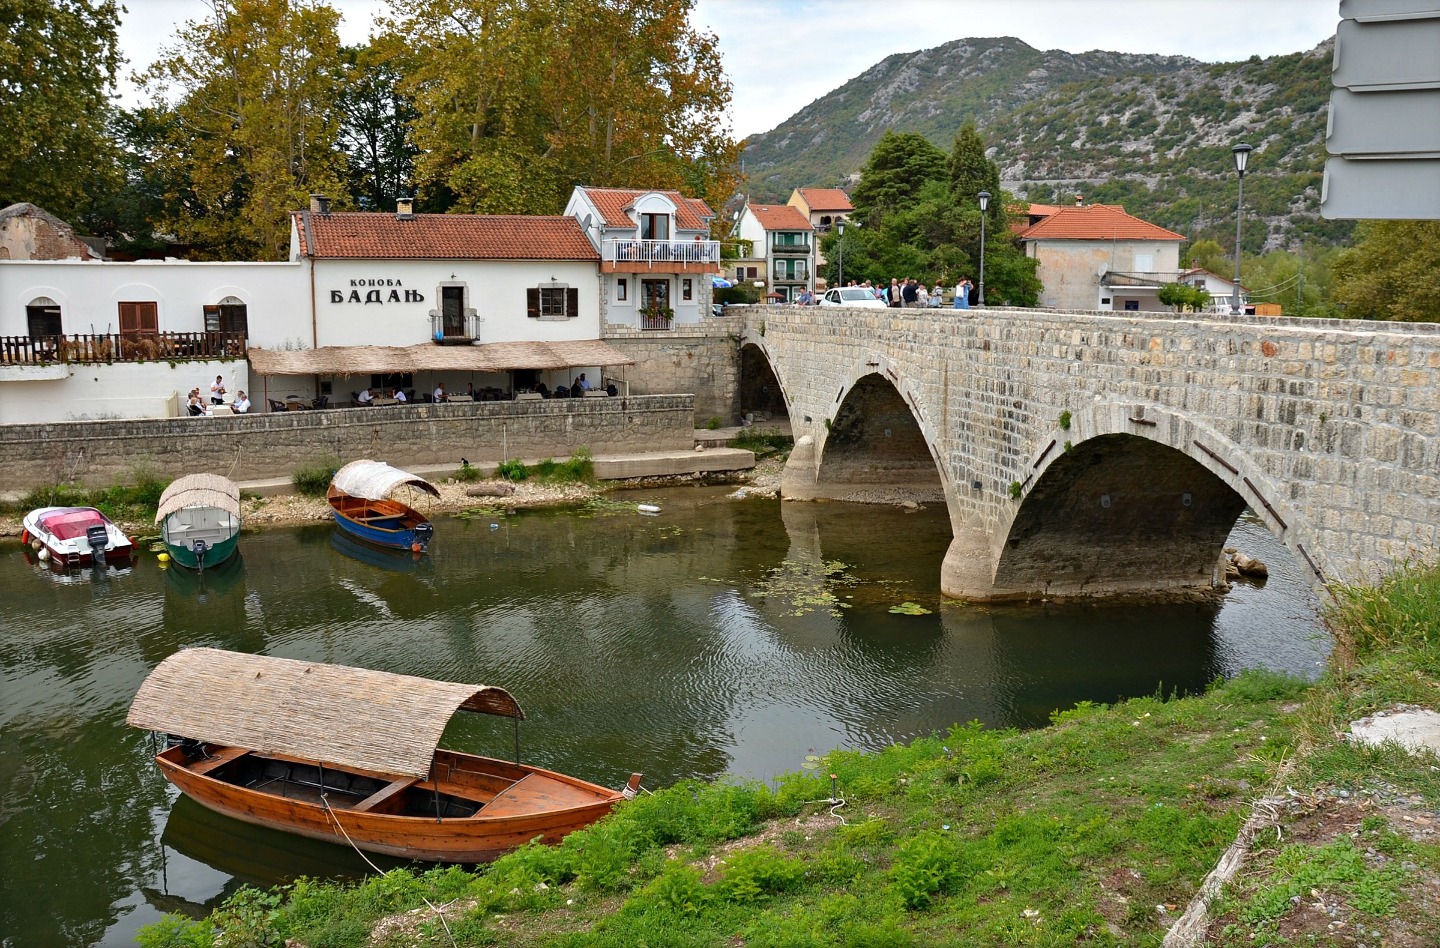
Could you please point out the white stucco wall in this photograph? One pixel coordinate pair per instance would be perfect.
(1069, 270)
(120, 390)
(89, 294)
(377, 303)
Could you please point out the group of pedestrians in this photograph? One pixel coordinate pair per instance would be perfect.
(910, 293)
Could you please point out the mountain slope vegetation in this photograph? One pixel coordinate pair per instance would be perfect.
(1150, 132)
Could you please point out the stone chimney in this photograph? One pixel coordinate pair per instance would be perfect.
(1079, 200)
(320, 204)
(404, 208)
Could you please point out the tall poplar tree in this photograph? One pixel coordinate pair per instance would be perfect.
(57, 69)
(255, 125)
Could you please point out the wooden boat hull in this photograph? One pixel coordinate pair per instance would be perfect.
(385, 523)
(516, 804)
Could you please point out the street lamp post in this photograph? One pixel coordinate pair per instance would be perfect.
(984, 197)
(1242, 155)
(840, 243)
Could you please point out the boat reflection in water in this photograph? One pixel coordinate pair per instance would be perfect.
(98, 573)
(392, 560)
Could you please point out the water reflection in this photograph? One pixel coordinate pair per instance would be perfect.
(720, 637)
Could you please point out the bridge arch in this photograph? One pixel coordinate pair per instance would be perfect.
(874, 443)
(1131, 499)
(761, 387)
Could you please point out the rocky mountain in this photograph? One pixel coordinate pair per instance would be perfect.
(1150, 132)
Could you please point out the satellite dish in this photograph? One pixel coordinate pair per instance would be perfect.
(587, 221)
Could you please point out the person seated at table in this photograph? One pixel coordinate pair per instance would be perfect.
(242, 403)
(542, 390)
(217, 390)
(399, 395)
(439, 394)
(195, 406)
(470, 391)
(611, 390)
(575, 390)
(364, 397)
(583, 384)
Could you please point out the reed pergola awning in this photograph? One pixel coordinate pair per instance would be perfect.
(491, 357)
(199, 490)
(332, 714)
(374, 480)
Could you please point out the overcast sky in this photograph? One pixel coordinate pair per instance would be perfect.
(783, 54)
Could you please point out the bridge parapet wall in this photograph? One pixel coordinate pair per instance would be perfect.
(1335, 423)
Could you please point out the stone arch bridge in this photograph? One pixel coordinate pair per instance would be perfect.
(1096, 453)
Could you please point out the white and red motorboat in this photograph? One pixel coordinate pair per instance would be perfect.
(75, 536)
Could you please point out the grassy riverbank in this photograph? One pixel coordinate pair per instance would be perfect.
(1098, 829)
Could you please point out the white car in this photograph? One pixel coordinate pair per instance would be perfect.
(852, 296)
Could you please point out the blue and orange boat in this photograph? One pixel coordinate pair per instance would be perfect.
(360, 494)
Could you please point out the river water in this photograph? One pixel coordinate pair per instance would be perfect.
(719, 637)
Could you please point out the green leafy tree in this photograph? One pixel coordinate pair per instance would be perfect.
(257, 124)
(57, 68)
(1209, 255)
(971, 172)
(1277, 277)
(1184, 297)
(898, 167)
(519, 100)
(375, 129)
(1391, 272)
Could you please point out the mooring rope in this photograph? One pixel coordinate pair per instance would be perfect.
(330, 811)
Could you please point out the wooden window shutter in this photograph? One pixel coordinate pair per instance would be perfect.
(139, 318)
(212, 318)
(572, 302)
(532, 302)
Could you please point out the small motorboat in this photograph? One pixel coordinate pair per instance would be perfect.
(199, 517)
(74, 537)
(360, 495)
(351, 755)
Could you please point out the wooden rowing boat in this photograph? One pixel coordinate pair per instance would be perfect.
(360, 497)
(350, 755)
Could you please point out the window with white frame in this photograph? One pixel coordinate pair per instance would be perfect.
(622, 289)
(687, 289)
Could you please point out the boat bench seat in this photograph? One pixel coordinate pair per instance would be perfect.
(384, 793)
(219, 760)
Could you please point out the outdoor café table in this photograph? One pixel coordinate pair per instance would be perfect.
(458, 398)
(381, 402)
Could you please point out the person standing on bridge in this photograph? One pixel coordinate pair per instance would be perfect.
(962, 294)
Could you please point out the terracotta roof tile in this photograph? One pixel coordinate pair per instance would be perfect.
(690, 214)
(1096, 222)
(447, 236)
(780, 217)
(826, 199)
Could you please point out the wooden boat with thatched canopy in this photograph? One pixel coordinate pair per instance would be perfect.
(350, 755)
(199, 517)
(360, 495)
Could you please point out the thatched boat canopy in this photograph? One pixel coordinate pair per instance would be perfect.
(374, 480)
(428, 357)
(332, 714)
(199, 490)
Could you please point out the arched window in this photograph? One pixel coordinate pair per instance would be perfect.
(42, 316)
(230, 315)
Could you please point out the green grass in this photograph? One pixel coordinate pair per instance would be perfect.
(313, 479)
(579, 468)
(135, 501)
(1097, 830)
(467, 473)
(761, 441)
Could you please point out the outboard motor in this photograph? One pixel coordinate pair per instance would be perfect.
(201, 548)
(98, 538)
(423, 533)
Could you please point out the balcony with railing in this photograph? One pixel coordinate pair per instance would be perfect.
(796, 275)
(100, 348)
(660, 256)
(455, 330)
(791, 250)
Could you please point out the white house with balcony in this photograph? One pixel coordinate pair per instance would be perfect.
(825, 208)
(784, 240)
(656, 255)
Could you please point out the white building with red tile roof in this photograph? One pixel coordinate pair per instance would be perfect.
(783, 246)
(1098, 257)
(655, 252)
(89, 339)
(824, 207)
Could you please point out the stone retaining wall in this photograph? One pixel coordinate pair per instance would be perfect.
(253, 447)
(701, 358)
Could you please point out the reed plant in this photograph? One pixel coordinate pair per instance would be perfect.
(313, 479)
